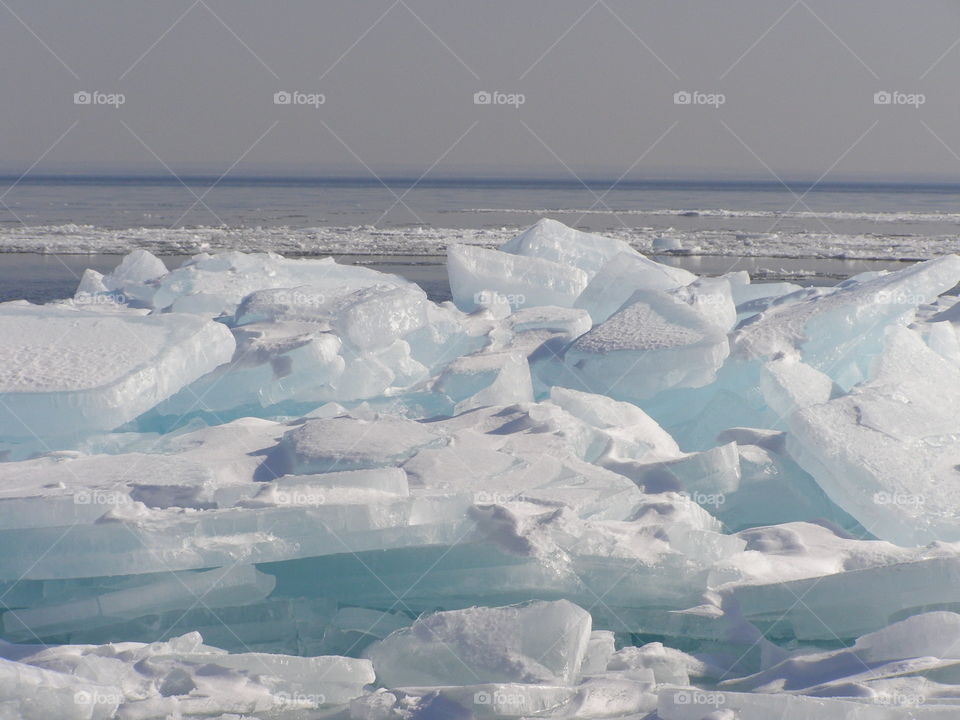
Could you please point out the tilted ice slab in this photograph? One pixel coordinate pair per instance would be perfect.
(838, 331)
(622, 276)
(496, 378)
(833, 604)
(653, 343)
(923, 643)
(896, 672)
(552, 240)
(889, 451)
(477, 275)
(68, 371)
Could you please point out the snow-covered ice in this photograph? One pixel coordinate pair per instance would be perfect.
(591, 486)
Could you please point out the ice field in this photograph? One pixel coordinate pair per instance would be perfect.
(887, 236)
(592, 486)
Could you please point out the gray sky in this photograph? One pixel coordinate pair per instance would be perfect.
(598, 79)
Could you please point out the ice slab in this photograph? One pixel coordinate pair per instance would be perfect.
(772, 488)
(222, 587)
(622, 276)
(74, 371)
(496, 378)
(346, 487)
(133, 280)
(713, 299)
(554, 241)
(344, 443)
(543, 642)
(201, 469)
(924, 644)
(833, 606)
(32, 693)
(569, 322)
(887, 452)
(477, 275)
(840, 330)
(654, 343)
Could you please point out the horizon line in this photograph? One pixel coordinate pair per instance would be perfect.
(481, 180)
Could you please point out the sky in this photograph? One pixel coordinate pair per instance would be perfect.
(772, 90)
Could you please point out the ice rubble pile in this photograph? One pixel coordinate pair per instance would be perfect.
(592, 486)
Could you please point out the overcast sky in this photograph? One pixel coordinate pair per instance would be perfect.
(796, 81)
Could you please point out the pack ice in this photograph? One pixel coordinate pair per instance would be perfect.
(591, 486)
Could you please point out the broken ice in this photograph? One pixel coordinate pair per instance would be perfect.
(593, 485)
